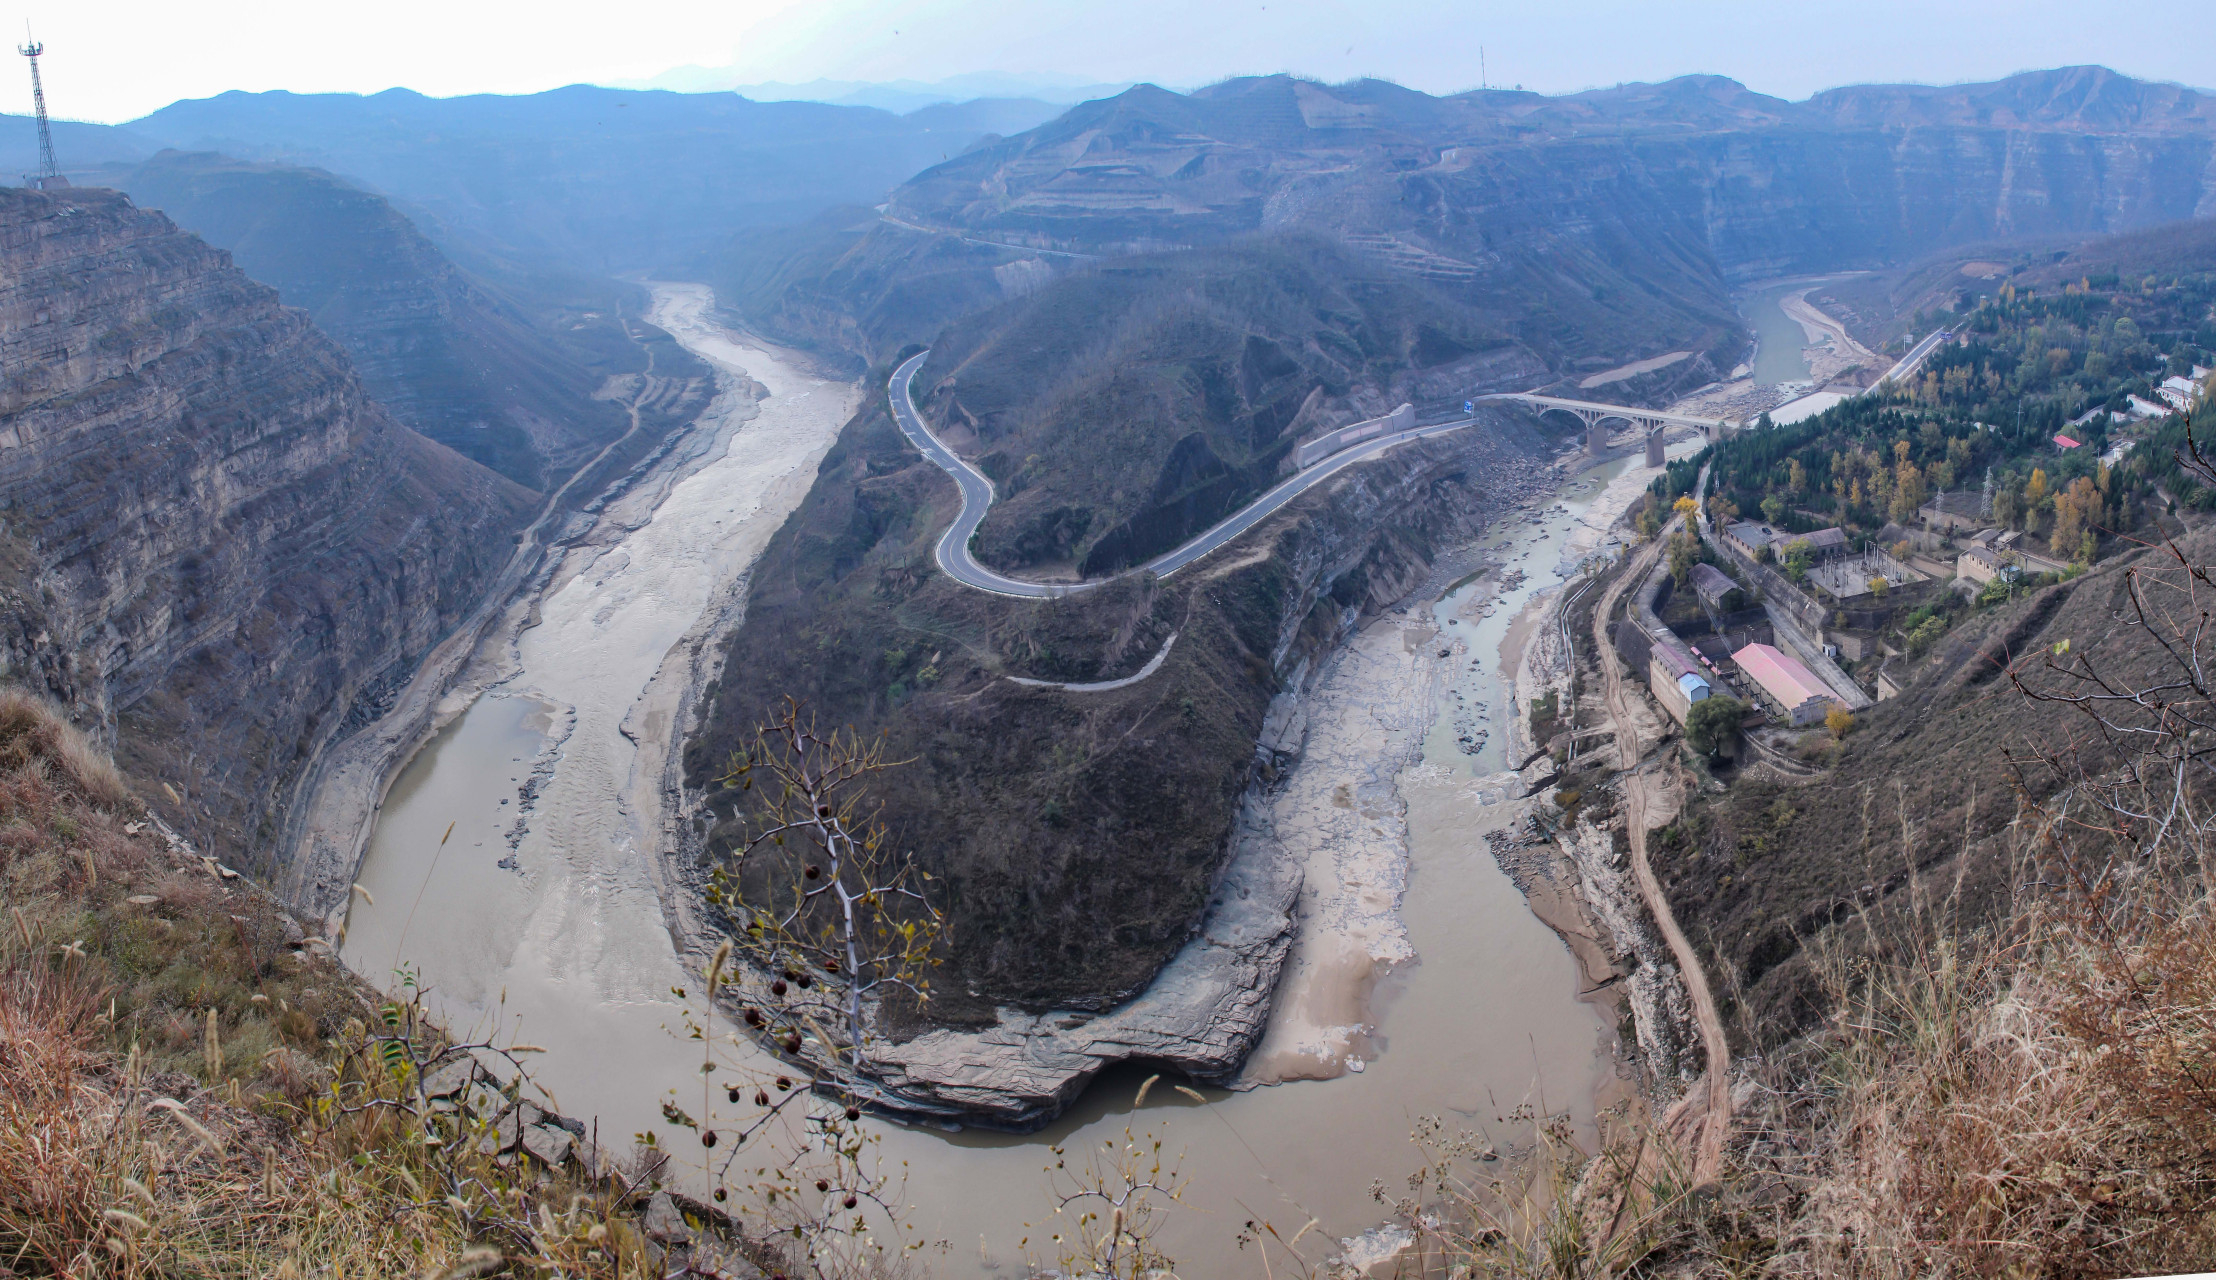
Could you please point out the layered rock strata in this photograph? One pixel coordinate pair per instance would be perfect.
(215, 549)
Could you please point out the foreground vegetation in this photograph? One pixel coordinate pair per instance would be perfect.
(190, 1086)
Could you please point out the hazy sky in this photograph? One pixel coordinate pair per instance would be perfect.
(111, 60)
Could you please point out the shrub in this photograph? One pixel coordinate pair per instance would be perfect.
(1712, 726)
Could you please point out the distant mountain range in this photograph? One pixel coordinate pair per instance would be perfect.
(609, 180)
(629, 180)
(1845, 178)
(1592, 228)
(901, 96)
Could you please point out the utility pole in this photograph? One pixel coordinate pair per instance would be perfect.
(49, 174)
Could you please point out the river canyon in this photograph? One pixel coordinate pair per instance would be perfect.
(513, 870)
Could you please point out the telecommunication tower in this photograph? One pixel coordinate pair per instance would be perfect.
(49, 174)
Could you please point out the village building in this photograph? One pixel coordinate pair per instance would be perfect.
(1749, 536)
(1983, 564)
(1715, 588)
(1962, 509)
(1675, 678)
(1786, 683)
(1993, 554)
(2179, 392)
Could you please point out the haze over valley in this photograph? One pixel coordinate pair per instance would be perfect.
(864, 657)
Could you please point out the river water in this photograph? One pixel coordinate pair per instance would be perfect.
(1778, 358)
(512, 871)
(540, 914)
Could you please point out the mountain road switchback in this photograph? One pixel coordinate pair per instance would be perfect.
(977, 496)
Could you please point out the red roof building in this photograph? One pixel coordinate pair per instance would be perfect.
(1798, 693)
(2065, 442)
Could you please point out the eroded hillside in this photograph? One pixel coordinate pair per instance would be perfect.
(1075, 836)
(216, 547)
(1127, 407)
(519, 387)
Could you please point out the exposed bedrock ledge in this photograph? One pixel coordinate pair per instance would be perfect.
(1339, 556)
(1201, 1015)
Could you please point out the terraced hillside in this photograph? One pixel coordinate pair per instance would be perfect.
(1758, 185)
(1607, 223)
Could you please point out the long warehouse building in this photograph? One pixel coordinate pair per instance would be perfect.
(1786, 681)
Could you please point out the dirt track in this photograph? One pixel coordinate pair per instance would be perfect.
(1703, 1117)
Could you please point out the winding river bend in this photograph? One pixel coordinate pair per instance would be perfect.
(513, 864)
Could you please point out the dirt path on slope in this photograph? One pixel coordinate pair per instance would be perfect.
(1702, 1118)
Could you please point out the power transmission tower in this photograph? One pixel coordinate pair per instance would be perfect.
(49, 173)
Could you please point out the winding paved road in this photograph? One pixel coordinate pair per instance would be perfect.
(977, 495)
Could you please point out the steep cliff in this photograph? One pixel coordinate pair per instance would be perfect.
(214, 546)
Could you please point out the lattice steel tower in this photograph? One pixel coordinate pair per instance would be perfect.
(49, 173)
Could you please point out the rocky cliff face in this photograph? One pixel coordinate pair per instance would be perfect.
(214, 546)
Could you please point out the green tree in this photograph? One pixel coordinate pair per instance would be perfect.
(1712, 726)
(2007, 507)
(1773, 509)
(1798, 556)
(1683, 556)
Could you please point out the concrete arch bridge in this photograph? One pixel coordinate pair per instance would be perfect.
(1593, 414)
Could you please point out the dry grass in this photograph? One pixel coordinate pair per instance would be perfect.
(2036, 1101)
(2046, 1104)
(107, 1169)
(186, 1090)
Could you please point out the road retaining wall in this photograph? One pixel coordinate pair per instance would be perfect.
(1324, 446)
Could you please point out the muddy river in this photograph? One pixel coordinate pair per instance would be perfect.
(512, 868)
(1778, 357)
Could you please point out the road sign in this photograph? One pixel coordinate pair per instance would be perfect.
(1469, 406)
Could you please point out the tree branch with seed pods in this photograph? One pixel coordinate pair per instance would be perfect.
(379, 1096)
(827, 920)
(814, 1204)
(1109, 1210)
